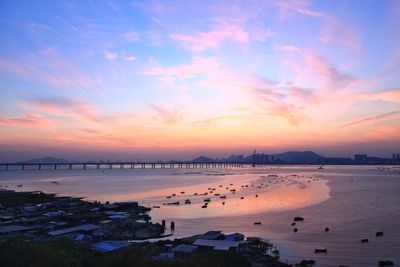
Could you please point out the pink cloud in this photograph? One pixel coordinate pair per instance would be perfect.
(168, 116)
(59, 106)
(289, 7)
(288, 48)
(27, 120)
(212, 39)
(320, 65)
(337, 32)
(111, 55)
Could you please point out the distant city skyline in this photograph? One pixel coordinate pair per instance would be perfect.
(160, 80)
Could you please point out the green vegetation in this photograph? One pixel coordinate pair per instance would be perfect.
(65, 253)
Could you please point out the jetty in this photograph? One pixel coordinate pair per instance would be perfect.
(126, 165)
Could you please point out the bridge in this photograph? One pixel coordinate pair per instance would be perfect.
(126, 165)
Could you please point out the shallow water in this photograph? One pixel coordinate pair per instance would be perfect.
(354, 202)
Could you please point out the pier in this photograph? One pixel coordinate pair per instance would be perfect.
(126, 165)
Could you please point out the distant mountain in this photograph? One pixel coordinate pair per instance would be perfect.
(47, 160)
(202, 159)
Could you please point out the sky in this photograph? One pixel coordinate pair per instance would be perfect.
(156, 80)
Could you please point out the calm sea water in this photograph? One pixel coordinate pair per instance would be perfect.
(353, 201)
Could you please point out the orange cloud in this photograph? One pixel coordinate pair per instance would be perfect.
(27, 120)
(64, 107)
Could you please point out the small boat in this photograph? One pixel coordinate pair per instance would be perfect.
(365, 240)
(256, 195)
(195, 194)
(295, 230)
(298, 219)
(223, 203)
(386, 263)
(173, 203)
(207, 200)
(380, 233)
(173, 195)
(293, 224)
(187, 201)
(327, 229)
(242, 198)
(257, 223)
(20, 185)
(183, 192)
(156, 207)
(168, 196)
(204, 206)
(321, 168)
(320, 250)
(216, 195)
(222, 197)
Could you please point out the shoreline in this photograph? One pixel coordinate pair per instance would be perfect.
(27, 214)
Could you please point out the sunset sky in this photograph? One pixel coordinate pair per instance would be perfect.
(149, 80)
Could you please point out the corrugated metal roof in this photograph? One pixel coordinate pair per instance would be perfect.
(84, 227)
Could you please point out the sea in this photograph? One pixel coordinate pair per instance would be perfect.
(354, 202)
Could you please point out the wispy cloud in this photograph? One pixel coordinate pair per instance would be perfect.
(289, 7)
(130, 58)
(198, 65)
(370, 119)
(212, 39)
(169, 116)
(287, 48)
(110, 55)
(322, 66)
(61, 106)
(49, 67)
(336, 32)
(27, 120)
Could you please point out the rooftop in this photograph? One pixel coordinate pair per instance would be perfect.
(216, 244)
(84, 227)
